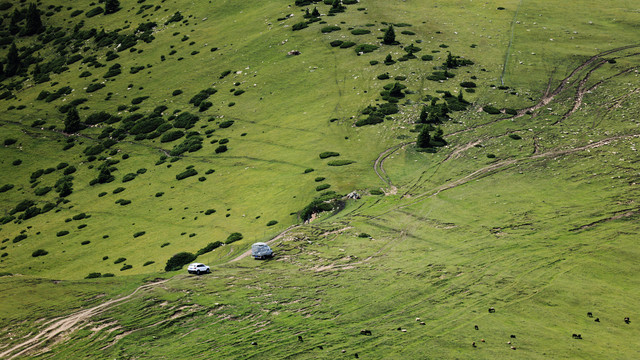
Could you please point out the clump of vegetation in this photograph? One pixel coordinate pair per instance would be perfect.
(210, 247)
(233, 237)
(340, 162)
(327, 154)
(272, 222)
(177, 261)
(187, 173)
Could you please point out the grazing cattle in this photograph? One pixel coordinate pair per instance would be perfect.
(476, 327)
(300, 338)
(365, 332)
(626, 320)
(513, 348)
(589, 314)
(417, 319)
(473, 344)
(254, 343)
(577, 336)
(422, 323)
(597, 320)
(481, 340)
(356, 356)
(513, 336)
(492, 310)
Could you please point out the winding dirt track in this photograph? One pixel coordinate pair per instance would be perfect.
(59, 326)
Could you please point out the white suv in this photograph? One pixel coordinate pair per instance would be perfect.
(197, 268)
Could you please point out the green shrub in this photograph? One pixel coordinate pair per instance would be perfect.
(148, 263)
(426, 57)
(238, 92)
(42, 190)
(327, 154)
(515, 136)
(9, 141)
(491, 156)
(93, 275)
(107, 275)
(233, 237)
(16, 162)
(319, 178)
(39, 252)
(62, 233)
(6, 187)
(220, 149)
(511, 111)
(364, 235)
(299, 26)
(177, 261)
(336, 43)
(165, 244)
(340, 162)
(94, 87)
(159, 194)
(210, 247)
(376, 192)
(272, 222)
(129, 177)
(209, 211)
(102, 194)
(187, 173)
(225, 73)
(119, 260)
(19, 238)
(329, 28)
(123, 202)
(308, 170)
(360, 31)
(225, 124)
(138, 234)
(491, 110)
(95, 11)
(347, 44)
(322, 187)
(365, 48)
(126, 267)
(384, 76)
(171, 136)
(118, 190)
(468, 84)
(86, 242)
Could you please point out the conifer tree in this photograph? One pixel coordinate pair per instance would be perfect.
(315, 12)
(389, 36)
(34, 23)
(111, 6)
(72, 123)
(13, 61)
(424, 139)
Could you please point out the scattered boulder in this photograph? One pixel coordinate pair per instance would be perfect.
(355, 196)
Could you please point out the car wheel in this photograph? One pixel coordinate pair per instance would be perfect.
(208, 271)
(198, 272)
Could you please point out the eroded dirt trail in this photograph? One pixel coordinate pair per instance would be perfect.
(60, 326)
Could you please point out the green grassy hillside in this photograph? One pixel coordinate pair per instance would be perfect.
(494, 146)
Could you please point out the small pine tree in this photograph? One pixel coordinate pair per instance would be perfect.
(424, 139)
(388, 59)
(337, 4)
(34, 23)
(111, 6)
(105, 175)
(460, 97)
(424, 114)
(315, 12)
(65, 189)
(72, 123)
(389, 36)
(13, 61)
(16, 17)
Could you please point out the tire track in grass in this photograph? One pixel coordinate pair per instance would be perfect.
(506, 57)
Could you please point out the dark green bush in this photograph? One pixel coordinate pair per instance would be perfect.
(9, 141)
(376, 192)
(327, 154)
(16, 162)
(491, 110)
(329, 28)
(272, 222)
(340, 162)
(220, 149)
(126, 267)
(147, 263)
(426, 57)
(39, 252)
(176, 92)
(171, 136)
(336, 43)
(364, 235)
(114, 70)
(322, 187)
(225, 124)
(365, 48)
(187, 173)
(468, 84)
(94, 87)
(95, 11)
(360, 31)
(42, 190)
(210, 247)
(138, 100)
(209, 211)
(19, 238)
(118, 190)
(384, 76)
(347, 44)
(119, 260)
(233, 237)
(123, 202)
(129, 177)
(86, 242)
(107, 275)
(62, 233)
(185, 120)
(93, 275)
(308, 170)
(138, 234)
(319, 178)
(515, 136)
(299, 26)
(69, 170)
(177, 261)
(6, 187)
